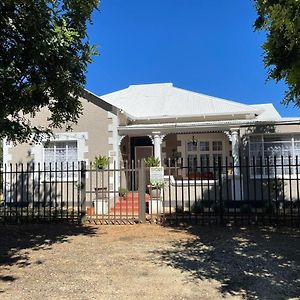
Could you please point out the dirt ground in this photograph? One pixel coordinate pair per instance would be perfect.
(148, 262)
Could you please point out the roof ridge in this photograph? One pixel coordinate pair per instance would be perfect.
(216, 98)
(170, 84)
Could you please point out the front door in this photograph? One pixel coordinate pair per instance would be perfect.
(141, 147)
(142, 152)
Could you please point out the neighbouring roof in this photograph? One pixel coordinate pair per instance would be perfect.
(160, 101)
(268, 112)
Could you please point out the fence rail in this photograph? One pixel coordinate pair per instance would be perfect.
(241, 191)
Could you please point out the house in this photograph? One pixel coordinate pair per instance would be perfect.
(169, 123)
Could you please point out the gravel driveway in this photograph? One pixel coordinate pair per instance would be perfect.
(148, 262)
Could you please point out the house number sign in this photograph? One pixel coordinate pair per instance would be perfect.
(157, 176)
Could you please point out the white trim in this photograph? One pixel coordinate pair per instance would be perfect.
(202, 138)
(183, 127)
(81, 138)
(113, 154)
(189, 182)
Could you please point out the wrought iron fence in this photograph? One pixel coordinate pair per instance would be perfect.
(241, 191)
(40, 192)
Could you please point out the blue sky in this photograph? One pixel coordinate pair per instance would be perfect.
(200, 45)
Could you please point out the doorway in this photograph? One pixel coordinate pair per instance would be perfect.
(142, 152)
(141, 148)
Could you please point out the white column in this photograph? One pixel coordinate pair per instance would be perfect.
(235, 149)
(157, 139)
(236, 181)
(157, 148)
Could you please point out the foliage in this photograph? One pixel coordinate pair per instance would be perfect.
(157, 184)
(101, 162)
(281, 20)
(200, 206)
(151, 161)
(1, 151)
(179, 210)
(122, 191)
(44, 53)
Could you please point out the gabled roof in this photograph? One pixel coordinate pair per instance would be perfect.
(159, 101)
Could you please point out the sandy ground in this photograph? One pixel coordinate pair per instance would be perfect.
(148, 262)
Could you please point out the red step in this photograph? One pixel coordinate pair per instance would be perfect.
(128, 204)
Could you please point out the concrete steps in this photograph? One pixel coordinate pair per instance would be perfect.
(128, 204)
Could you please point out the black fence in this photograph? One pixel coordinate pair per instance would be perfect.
(245, 191)
(241, 191)
(41, 193)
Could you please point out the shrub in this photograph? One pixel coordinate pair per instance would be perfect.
(101, 162)
(122, 192)
(179, 210)
(199, 206)
(151, 161)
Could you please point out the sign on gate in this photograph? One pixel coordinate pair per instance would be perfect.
(157, 176)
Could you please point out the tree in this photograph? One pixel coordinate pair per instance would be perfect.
(281, 21)
(44, 53)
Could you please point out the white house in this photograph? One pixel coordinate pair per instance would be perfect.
(169, 123)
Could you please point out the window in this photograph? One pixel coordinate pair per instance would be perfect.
(203, 156)
(264, 149)
(192, 162)
(204, 146)
(62, 156)
(217, 145)
(204, 162)
(192, 146)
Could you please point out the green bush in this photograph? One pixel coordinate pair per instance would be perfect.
(179, 210)
(152, 162)
(122, 192)
(101, 162)
(198, 206)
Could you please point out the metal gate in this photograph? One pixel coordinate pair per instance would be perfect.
(116, 195)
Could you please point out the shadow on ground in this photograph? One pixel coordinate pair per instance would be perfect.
(258, 263)
(16, 239)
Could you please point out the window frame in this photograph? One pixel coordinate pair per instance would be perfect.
(68, 175)
(209, 153)
(286, 138)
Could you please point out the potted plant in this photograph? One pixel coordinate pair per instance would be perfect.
(101, 201)
(101, 162)
(122, 192)
(154, 187)
(155, 204)
(151, 161)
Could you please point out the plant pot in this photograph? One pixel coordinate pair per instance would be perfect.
(154, 192)
(101, 192)
(155, 206)
(100, 206)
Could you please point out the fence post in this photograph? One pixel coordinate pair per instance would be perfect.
(82, 191)
(142, 191)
